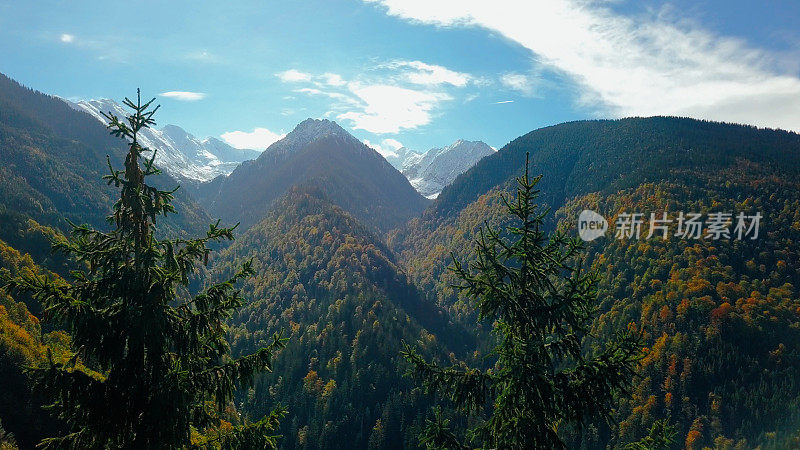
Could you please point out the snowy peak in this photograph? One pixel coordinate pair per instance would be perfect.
(402, 158)
(179, 154)
(319, 127)
(305, 133)
(317, 154)
(439, 167)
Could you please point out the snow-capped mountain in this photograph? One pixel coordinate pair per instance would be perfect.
(317, 156)
(430, 172)
(180, 154)
(304, 133)
(402, 158)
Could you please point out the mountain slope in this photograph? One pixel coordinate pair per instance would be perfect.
(335, 289)
(316, 153)
(180, 154)
(720, 316)
(586, 156)
(53, 160)
(439, 167)
(24, 342)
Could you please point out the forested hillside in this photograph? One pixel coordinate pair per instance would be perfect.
(53, 158)
(23, 342)
(720, 316)
(348, 306)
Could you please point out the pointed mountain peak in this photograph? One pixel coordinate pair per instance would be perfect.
(169, 128)
(319, 152)
(307, 132)
(440, 166)
(464, 145)
(319, 128)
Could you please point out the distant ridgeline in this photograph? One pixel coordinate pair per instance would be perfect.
(53, 158)
(351, 261)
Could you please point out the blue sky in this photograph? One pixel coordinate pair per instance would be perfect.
(419, 73)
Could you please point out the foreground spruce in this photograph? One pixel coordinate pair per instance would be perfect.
(150, 368)
(531, 287)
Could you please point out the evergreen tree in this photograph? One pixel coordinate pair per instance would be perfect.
(151, 366)
(661, 437)
(542, 304)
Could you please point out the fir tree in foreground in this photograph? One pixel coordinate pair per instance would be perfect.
(151, 368)
(542, 305)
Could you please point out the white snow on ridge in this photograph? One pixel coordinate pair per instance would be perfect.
(402, 158)
(431, 171)
(179, 154)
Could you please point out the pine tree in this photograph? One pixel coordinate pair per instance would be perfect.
(151, 365)
(661, 437)
(531, 286)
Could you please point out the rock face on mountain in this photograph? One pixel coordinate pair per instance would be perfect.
(180, 154)
(431, 172)
(316, 153)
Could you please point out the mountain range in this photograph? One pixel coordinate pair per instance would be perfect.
(713, 311)
(402, 157)
(438, 167)
(195, 161)
(431, 171)
(351, 261)
(322, 154)
(52, 157)
(179, 154)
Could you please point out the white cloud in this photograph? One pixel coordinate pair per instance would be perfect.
(184, 96)
(394, 96)
(431, 74)
(503, 102)
(67, 38)
(647, 65)
(518, 82)
(387, 147)
(333, 79)
(389, 109)
(259, 138)
(334, 95)
(293, 76)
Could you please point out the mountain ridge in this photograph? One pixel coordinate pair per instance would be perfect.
(317, 152)
(346, 306)
(179, 153)
(54, 158)
(714, 312)
(438, 167)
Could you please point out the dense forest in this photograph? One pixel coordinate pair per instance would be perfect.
(379, 346)
(720, 317)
